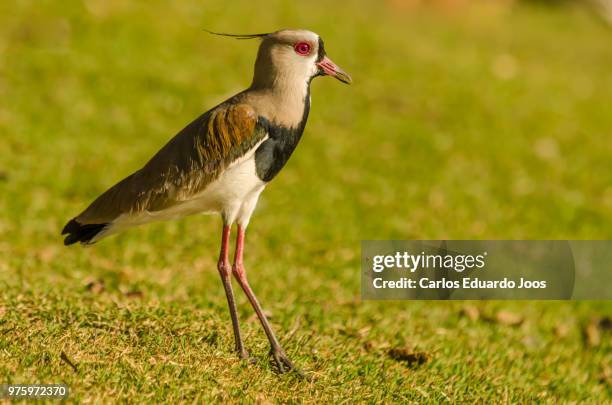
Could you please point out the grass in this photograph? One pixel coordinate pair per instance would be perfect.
(491, 123)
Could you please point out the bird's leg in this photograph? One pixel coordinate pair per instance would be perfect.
(281, 359)
(225, 271)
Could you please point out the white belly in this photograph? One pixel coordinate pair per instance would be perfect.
(232, 194)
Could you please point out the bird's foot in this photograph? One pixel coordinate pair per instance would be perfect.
(244, 355)
(283, 363)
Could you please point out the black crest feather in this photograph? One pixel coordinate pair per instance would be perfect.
(238, 36)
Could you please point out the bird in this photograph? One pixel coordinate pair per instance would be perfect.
(221, 162)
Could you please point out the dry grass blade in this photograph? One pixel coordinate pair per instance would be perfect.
(66, 360)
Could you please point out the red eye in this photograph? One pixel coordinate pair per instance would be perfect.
(302, 48)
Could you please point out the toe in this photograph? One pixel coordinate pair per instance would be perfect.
(284, 364)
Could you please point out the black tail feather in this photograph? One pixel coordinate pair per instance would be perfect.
(81, 233)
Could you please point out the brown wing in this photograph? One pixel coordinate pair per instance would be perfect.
(183, 167)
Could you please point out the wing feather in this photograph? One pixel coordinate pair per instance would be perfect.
(183, 167)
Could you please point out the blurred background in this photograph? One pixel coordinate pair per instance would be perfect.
(467, 120)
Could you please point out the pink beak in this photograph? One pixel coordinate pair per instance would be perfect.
(329, 68)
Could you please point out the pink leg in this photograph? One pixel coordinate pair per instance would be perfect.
(282, 361)
(225, 271)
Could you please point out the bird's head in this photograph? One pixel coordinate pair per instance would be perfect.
(298, 53)
(292, 55)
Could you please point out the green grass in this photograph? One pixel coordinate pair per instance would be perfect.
(491, 123)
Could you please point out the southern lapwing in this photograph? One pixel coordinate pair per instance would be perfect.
(222, 161)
